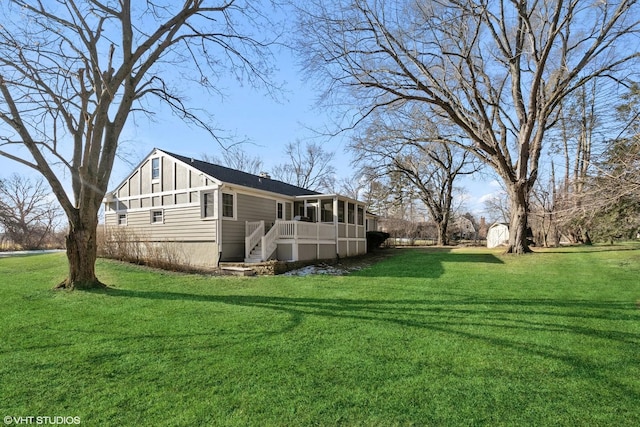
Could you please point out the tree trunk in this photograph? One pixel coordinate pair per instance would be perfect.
(82, 253)
(442, 225)
(519, 200)
(443, 239)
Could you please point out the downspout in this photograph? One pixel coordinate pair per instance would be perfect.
(219, 223)
(335, 224)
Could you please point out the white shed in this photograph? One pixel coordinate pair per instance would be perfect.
(498, 235)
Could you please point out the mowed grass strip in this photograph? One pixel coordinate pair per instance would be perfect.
(427, 337)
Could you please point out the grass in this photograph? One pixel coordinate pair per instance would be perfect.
(427, 337)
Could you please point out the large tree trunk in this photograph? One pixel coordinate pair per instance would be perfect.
(82, 253)
(443, 239)
(443, 225)
(519, 200)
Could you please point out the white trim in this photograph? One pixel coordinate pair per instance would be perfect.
(155, 208)
(214, 205)
(126, 219)
(152, 216)
(159, 177)
(234, 206)
(168, 193)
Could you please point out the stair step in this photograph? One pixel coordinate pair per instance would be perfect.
(239, 271)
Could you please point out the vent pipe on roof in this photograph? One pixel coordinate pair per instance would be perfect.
(265, 175)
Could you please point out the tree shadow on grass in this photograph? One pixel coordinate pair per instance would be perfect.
(510, 324)
(425, 313)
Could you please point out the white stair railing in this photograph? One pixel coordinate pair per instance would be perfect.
(269, 241)
(254, 232)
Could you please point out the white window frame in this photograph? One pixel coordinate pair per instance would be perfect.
(152, 216)
(156, 178)
(214, 204)
(235, 205)
(126, 219)
(354, 220)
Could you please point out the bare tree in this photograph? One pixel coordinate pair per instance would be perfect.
(73, 71)
(498, 71)
(408, 143)
(236, 158)
(579, 120)
(604, 172)
(309, 166)
(543, 213)
(28, 215)
(496, 207)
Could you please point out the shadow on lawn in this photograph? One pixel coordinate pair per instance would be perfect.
(426, 262)
(457, 312)
(536, 327)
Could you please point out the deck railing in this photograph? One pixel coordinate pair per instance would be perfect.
(269, 243)
(285, 230)
(306, 230)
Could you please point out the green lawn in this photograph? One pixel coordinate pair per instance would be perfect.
(428, 337)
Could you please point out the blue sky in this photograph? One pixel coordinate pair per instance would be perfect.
(245, 113)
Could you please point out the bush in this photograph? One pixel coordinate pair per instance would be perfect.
(131, 246)
(375, 239)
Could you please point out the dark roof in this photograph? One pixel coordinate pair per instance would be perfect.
(233, 176)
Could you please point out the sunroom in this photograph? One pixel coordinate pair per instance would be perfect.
(318, 227)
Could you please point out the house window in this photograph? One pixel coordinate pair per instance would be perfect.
(279, 210)
(157, 217)
(360, 215)
(122, 219)
(208, 205)
(228, 205)
(340, 211)
(155, 168)
(351, 213)
(326, 207)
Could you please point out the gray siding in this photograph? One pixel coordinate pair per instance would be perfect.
(327, 251)
(285, 252)
(249, 208)
(180, 224)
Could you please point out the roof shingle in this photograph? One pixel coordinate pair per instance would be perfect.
(233, 176)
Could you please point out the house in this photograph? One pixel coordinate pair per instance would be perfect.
(212, 214)
(463, 229)
(497, 235)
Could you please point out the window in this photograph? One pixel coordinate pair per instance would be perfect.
(155, 168)
(157, 217)
(326, 207)
(228, 208)
(279, 210)
(122, 219)
(208, 205)
(340, 211)
(351, 213)
(360, 215)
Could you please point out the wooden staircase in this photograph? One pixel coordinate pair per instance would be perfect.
(255, 255)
